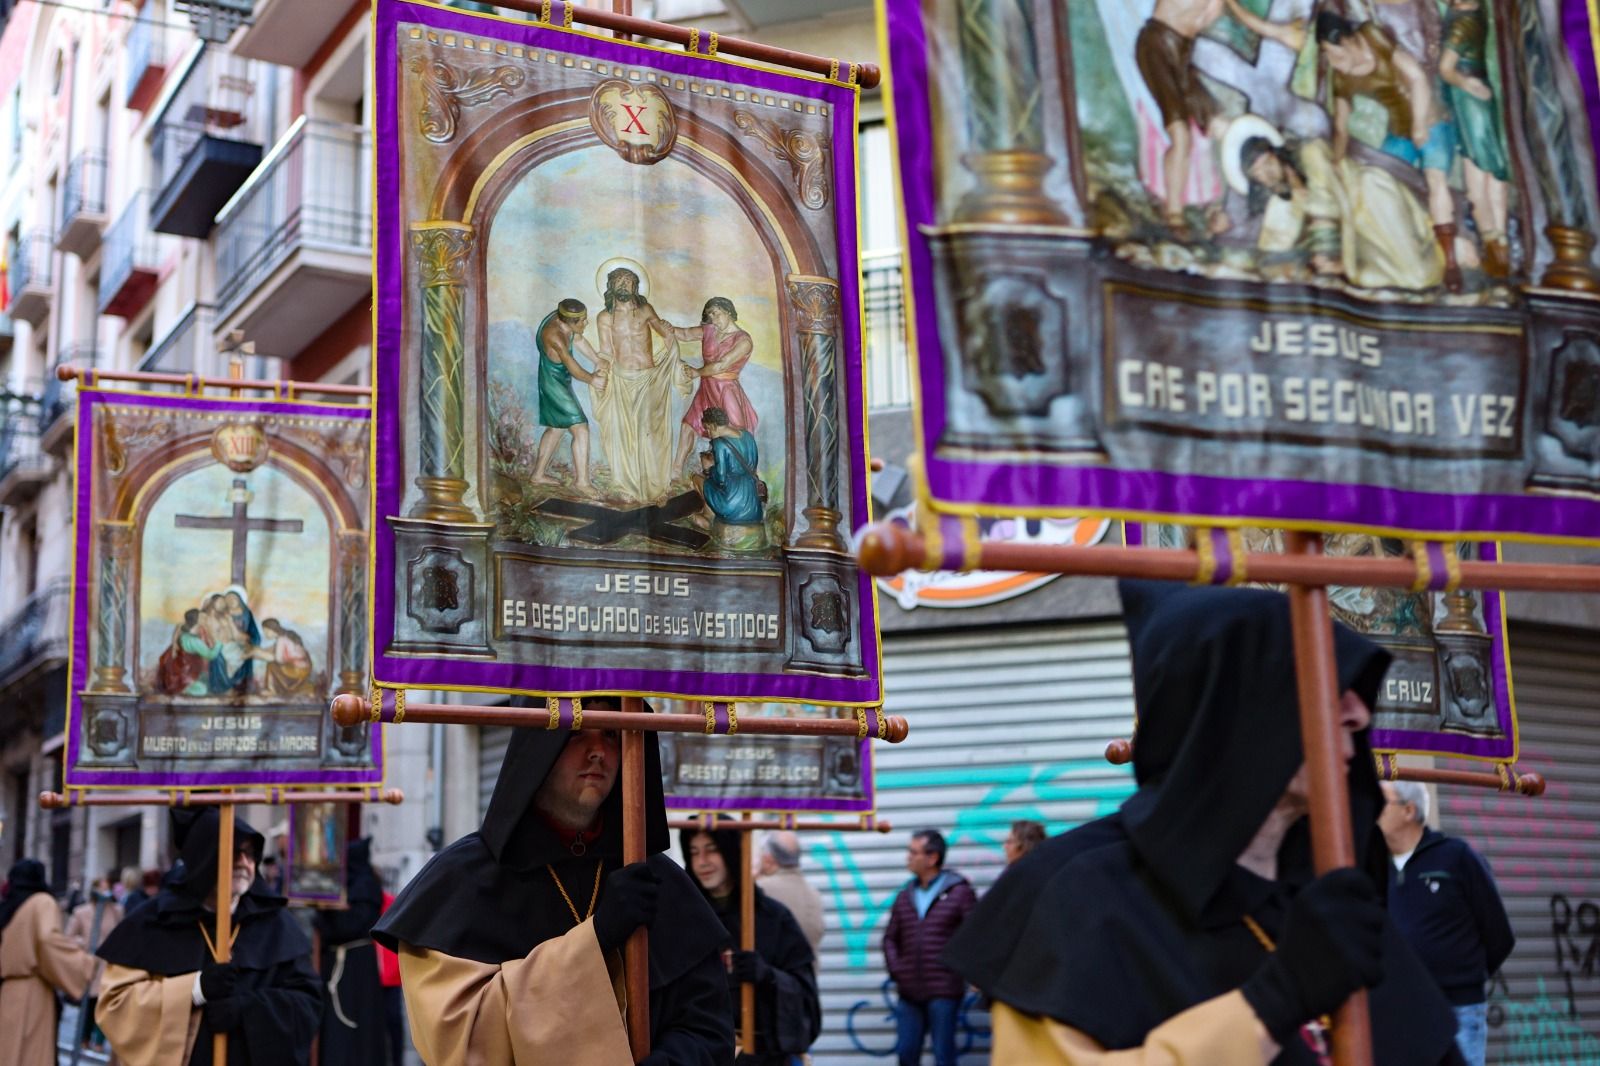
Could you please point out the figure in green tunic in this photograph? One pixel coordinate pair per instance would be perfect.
(1464, 69)
(556, 338)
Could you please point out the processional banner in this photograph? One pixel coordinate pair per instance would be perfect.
(219, 593)
(1275, 262)
(316, 865)
(619, 421)
(1448, 690)
(762, 772)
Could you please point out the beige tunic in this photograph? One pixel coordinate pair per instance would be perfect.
(36, 958)
(1220, 1030)
(149, 1020)
(558, 1004)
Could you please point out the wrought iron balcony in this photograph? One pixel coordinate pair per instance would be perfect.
(888, 365)
(148, 58)
(294, 246)
(35, 637)
(59, 398)
(83, 205)
(23, 467)
(205, 144)
(31, 277)
(129, 264)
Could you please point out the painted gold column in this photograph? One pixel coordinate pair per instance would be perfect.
(1003, 101)
(815, 302)
(443, 251)
(352, 610)
(111, 625)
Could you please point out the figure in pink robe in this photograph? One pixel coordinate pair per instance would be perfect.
(724, 351)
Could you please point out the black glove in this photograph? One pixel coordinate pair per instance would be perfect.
(748, 967)
(629, 900)
(218, 979)
(223, 1015)
(1332, 945)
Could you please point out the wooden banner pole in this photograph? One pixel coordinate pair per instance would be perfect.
(708, 822)
(51, 801)
(636, 958)
(1332, 839)
(94, 375)
(224, 946)
(747, 938)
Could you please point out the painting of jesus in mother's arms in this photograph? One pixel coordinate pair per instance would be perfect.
(215, 649)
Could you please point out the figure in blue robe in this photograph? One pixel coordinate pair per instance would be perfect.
(731, 488)
(220, 680)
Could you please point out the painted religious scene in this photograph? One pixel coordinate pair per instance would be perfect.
(1448, 690)
(619, 405)
(1318, 263)
(765, 772)
(315, 862)
(220, 597)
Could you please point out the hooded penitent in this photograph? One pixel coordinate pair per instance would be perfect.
(494, 895)
(1125, 922)
(788, 1013)
(280, 1001)
(26, 879)
(353, 1026)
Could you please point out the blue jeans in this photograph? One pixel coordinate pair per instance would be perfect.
(937, 1017)
(1472, 1032)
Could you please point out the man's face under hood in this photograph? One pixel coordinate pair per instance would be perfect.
(581, 778)
(1354, 716)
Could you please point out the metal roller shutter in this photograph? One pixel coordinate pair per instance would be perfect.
(1545, 854)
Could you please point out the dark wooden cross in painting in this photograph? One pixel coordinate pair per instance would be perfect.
(241, 525)
(606, 525)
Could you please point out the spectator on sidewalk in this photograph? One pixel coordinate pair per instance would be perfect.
(1443, 898)
(925, 915)
(779, 876)
(1025, 835)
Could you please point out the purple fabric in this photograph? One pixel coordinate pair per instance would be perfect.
(1223, 549)
(443, 673)
(1576, 30)
(990, 487)
(719, 718)
(82, 599)
(1438, 567)
(912, 945)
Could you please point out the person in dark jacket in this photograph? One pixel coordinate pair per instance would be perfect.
(1443, 898)
(788, 1013)
(354, 1027)
(163, 997)
(925, 915)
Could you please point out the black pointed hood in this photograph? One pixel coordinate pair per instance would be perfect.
(26, 879)
(195, 832)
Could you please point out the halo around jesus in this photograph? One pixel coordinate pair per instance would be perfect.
(621, 261)
(1239, 133)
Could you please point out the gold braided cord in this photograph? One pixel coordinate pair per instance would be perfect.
(1241, 569)
(733, 718)
(375, 705)
(883, 725)
(694, 40)
(544, 12)
(577, 713)
(566, 13)
(553, 705)
(713, 49)
(861, 723)
(833, 70)
(1506, 784)
(399, 706)
(711, 717)
(1207, 570)
(854, 69)
(1452, 567)
(593, 897)
(1419, 556)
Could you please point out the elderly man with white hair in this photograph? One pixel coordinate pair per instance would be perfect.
(778, 874)
(1444, 901)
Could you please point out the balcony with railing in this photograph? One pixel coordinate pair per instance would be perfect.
(129, 266)
(186, 348)
(59, 398)
(35, 636)
(294, 247)
(887, 362)
(205, 144)
(23, 466)
(83, 205)
(148, 58)
(289, 32)
(30, 278)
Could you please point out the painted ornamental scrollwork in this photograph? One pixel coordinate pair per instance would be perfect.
(447, 89)
(809, 155)
(637, 122)
(442, 252)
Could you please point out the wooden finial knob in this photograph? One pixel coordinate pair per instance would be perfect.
(1119, 752)
(394, 796)
(66, 371)
(886, 549)
(897, 729)
(51, 801)
(349, 709)
(1531, 784)
(883, 825)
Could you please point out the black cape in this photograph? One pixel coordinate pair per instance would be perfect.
(272, 955)
(1124, 922)
(354, 1027)
(788, 1012)
(490, 897)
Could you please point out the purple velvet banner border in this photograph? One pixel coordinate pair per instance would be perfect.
(973, 486)
(1419, 742)
(78, 664)
(679, 802)
(389, 309)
